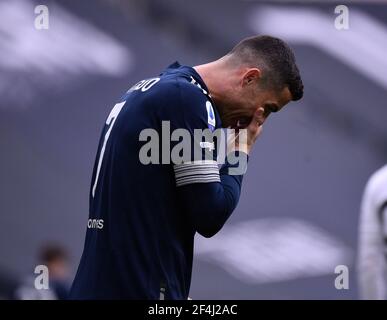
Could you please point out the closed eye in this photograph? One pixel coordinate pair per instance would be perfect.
(269, 108)
(272, 107)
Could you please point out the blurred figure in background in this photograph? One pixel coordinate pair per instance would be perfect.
(56, 259)
(373, 238)
(8, 284)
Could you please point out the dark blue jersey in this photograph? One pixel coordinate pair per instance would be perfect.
(144, 208)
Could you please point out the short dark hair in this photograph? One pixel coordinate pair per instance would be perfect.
(275, 58)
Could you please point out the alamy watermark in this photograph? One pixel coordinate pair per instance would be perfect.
(342, 20)
(181, 146)
(42, 19)
(42, 279)
(342, 280)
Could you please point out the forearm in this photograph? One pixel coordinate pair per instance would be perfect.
(209, 205)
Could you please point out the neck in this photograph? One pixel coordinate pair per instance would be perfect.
(214, 76)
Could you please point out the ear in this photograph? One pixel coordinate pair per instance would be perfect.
(251, 76)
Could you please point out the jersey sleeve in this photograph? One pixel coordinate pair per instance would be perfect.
(195, 121)
(208, 193)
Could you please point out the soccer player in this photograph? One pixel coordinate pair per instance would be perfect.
(372, 258)
(144, 212)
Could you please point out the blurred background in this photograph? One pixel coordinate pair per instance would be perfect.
(298, 214)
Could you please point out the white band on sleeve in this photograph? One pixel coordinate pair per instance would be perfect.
(201, 171)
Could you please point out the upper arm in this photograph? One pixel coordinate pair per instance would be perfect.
(209, 196)
(193, 139)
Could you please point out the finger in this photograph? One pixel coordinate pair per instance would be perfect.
(231, 136)
(260, 129)
(258, 119)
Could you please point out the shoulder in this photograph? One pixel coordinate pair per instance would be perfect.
(182, 88)
(176, 98)
(186, 98)
(169, 87)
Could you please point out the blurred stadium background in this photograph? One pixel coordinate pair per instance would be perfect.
(298, 214)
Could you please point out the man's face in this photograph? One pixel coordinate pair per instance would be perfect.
(247, 97)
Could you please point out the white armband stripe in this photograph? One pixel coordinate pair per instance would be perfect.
(202, 171)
